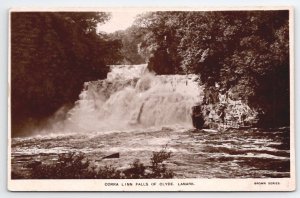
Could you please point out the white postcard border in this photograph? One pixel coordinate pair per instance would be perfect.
(249, 184)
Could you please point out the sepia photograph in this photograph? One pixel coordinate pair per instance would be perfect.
(151, 99)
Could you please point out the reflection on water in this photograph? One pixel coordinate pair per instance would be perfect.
(249, 153)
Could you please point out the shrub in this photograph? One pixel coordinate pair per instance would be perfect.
(157, 169)
(68, 166)
(136, 171)
(108, 172)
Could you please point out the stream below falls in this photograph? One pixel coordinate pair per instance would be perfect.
(250, 153)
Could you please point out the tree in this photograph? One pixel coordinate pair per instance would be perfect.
(131, 39)
(160, 42)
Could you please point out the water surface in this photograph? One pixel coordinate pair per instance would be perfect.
(249, 153)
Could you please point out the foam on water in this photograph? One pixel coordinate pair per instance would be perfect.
(132, 98)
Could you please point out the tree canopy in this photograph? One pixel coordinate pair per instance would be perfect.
(131, 39)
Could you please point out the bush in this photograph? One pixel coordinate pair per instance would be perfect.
(108, 172)
(157, 169)
(136, 171)
(68, 166)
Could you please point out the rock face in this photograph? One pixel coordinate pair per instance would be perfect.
(197, 117)
(218, 111)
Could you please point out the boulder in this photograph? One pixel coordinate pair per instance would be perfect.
(197, 117)
(115, 155)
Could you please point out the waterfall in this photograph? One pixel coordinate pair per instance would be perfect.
(133, 98)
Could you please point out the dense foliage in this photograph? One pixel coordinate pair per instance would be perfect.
(246, 52)
(52, 55)
(131, 39)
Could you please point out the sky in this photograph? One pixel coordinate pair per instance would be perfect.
(120, 20)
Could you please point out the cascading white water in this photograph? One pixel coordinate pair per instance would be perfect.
(133, 98)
